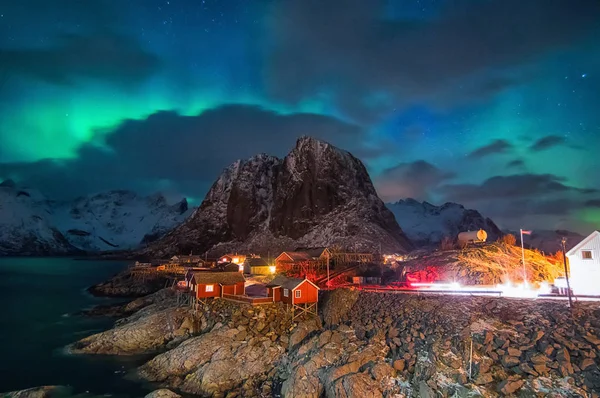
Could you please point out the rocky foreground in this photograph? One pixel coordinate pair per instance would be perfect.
(364, 345)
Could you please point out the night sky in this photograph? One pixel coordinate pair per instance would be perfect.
(494, 104)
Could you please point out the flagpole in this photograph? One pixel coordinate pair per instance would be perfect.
(523, 256)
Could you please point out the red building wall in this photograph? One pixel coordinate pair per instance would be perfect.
(202, 293)
(274, 291)
(309, 293)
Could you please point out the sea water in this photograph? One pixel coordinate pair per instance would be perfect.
(38, 300)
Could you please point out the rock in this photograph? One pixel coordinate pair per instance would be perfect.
(514, 352)
(537, 335)
(509, 362)
(213, 363)
(39, 392)
(162, 393)
(540, 359)
(510, 386)
(586, 363)
(125, 285)
(450, 359)
(592, 339)
(540, 368)
(484, 378)
(525, 368)
(357, 385)
(425, 391)
(336, 305)
(301, 331)
(381, 371)
(399, 364)
(142, 335)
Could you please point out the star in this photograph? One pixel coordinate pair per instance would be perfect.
(584, 75)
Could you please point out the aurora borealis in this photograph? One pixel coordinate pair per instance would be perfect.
(493, 104)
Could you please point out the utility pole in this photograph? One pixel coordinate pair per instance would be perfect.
(328, 270)
(523, 259)
(563, 241)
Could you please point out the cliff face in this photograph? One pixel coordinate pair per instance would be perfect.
(318, 195)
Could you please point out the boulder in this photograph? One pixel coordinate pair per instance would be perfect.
(143, 335)
(356, 385)
(39, 392)
(214, 363)
(162, 393)
(510, 386)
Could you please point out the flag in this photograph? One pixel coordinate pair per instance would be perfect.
(524, 232)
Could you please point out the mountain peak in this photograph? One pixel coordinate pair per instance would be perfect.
(8, 183)
(318, 195)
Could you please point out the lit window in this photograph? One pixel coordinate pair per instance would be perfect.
(286, 293)
(298, 293)
(209, 288)
(586, 254)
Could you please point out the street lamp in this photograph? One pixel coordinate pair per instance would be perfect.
(564, 250)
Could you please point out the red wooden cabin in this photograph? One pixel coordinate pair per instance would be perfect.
(293, 291)
(216, 284)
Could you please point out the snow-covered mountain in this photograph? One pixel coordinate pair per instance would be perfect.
(426, 224)
(25, 226)
(116, 220)
(318, 195)
(31, 224)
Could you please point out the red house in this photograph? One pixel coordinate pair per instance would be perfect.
(293, 291)
(216, 284)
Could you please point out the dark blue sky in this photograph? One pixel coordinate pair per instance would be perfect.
(489, 103)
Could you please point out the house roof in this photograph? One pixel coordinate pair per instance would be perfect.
(231, 267)
(222, 278)
(583, 243)
(288, 283)
(256, 262)
(314, 252)
(297, 256)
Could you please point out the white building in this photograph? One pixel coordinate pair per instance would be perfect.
(584, 266)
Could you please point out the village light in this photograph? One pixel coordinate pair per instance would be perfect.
(272, 269)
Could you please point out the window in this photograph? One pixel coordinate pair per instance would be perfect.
(286, 293)
(298, 293)
(586, 254)
(209, 288)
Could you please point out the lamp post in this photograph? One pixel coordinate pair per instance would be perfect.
(563, 241)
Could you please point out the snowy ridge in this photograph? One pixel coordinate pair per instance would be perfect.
(317, 195)
(427, 224)
(24, 225)
(30, 224)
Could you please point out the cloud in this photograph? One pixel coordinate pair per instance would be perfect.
(548, 142)
(181, 153)
(495, 147)
(410, 180)
(354, 51)
(593, 203)
(105, 56)
(513, 186)
(517, 163)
